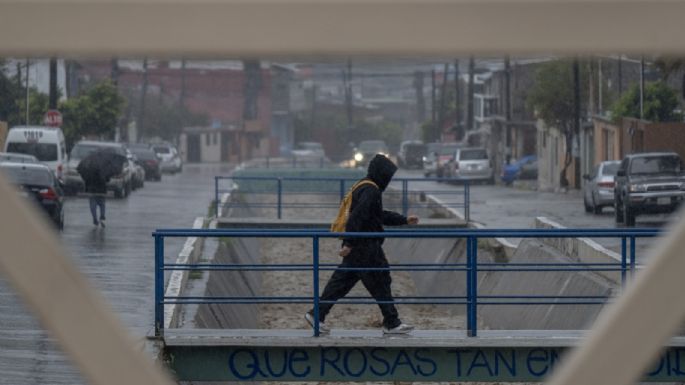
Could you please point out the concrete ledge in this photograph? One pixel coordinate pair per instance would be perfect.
(582, 249)
(192, 249)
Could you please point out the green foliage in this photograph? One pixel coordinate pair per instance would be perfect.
(660, 102)
(551, 96)
(94, 113)
(38, 106)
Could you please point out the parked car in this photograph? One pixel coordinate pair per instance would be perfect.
(17, 158)
(648, 183)
(138, 175)
(430, 159)
(121, 185)
(309, 150)
(150, 162)
(524, 168)
(471, 163)
(38, 183)
(367, 149)
(445, 156)
(171, 161)
(411, 154)
(45, 143)
(598, 191)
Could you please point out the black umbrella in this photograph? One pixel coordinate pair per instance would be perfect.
(101, 166)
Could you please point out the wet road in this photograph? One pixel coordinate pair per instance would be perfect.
(505, 207)
(118, 260)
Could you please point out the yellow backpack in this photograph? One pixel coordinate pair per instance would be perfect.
(338, 225)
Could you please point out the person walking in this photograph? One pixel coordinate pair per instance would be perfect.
(367, 215)
(97, 188)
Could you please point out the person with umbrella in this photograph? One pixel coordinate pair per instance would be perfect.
(96, 170)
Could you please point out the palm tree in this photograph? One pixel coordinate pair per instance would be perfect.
(670, 65)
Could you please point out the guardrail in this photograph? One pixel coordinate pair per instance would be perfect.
(283, 186)
(472, 267)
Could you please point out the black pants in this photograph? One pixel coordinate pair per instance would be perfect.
(376, 282)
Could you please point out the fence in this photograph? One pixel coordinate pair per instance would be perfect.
(336, 186)
(471, 268)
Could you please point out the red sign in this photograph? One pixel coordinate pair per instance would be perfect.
(52, 118)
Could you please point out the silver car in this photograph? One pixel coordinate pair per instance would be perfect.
(471, 163)
(598, 191)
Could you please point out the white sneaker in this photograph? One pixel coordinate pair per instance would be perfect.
(399, 329)
(310, 320)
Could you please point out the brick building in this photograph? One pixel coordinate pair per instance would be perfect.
(613, 141)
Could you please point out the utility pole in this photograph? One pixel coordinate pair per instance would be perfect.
(52, 98)
(143, 94)
(457, 96)
(600, 103)
(420, 100)
(114, 75)
(443, 102)
(471, 92)
(507, 108)
(348, 94)
(182, 95)
(620, 76)
(27, 92)
(642, 87)
(576, 120)
(433, 109)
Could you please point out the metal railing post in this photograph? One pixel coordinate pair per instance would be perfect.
(159, 286)
(216, 195)
(342, 189)
(624, 263)
(280, 194)
(467, 201)
(315, 246)
(632, 257)
(471, 282)
(405, 197)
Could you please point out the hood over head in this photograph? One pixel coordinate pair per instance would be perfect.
(381, 169)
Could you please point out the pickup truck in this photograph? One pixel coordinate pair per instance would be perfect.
(648, 183)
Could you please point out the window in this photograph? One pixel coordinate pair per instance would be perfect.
(44, 152)
(207, 139)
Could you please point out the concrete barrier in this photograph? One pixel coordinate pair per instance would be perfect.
(192, 249)
(581, 249)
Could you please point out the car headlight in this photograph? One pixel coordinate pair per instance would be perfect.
(358, 157)
(424, 158)
(638, 188)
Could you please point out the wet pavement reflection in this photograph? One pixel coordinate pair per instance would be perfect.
(118, 260)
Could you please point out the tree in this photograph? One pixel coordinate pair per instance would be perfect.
(167, 122)
(671, 65)
(660, 102)
(552, 97)
(94, 113)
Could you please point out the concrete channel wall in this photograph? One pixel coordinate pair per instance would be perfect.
(443, 283)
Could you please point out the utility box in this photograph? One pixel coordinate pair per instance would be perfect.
(3, 135)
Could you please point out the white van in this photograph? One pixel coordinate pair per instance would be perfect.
(45, 143)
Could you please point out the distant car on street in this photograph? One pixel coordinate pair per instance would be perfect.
(430, 158)
(138, 175)
(121, 184)
(598, 191)
(367, 149)
(471, 163)
(171, 161)
(149, 160)
(648, 183)
(309, 150)
(38, 183)
(445, 156)
(17, 158)
(411, 154)
(524, 168)
(47, 144)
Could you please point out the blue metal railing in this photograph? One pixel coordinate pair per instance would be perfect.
(282, 186)
(471, 268)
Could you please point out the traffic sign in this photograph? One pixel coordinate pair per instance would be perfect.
(52, 118)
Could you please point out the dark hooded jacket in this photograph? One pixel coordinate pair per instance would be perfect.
(366, 210)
